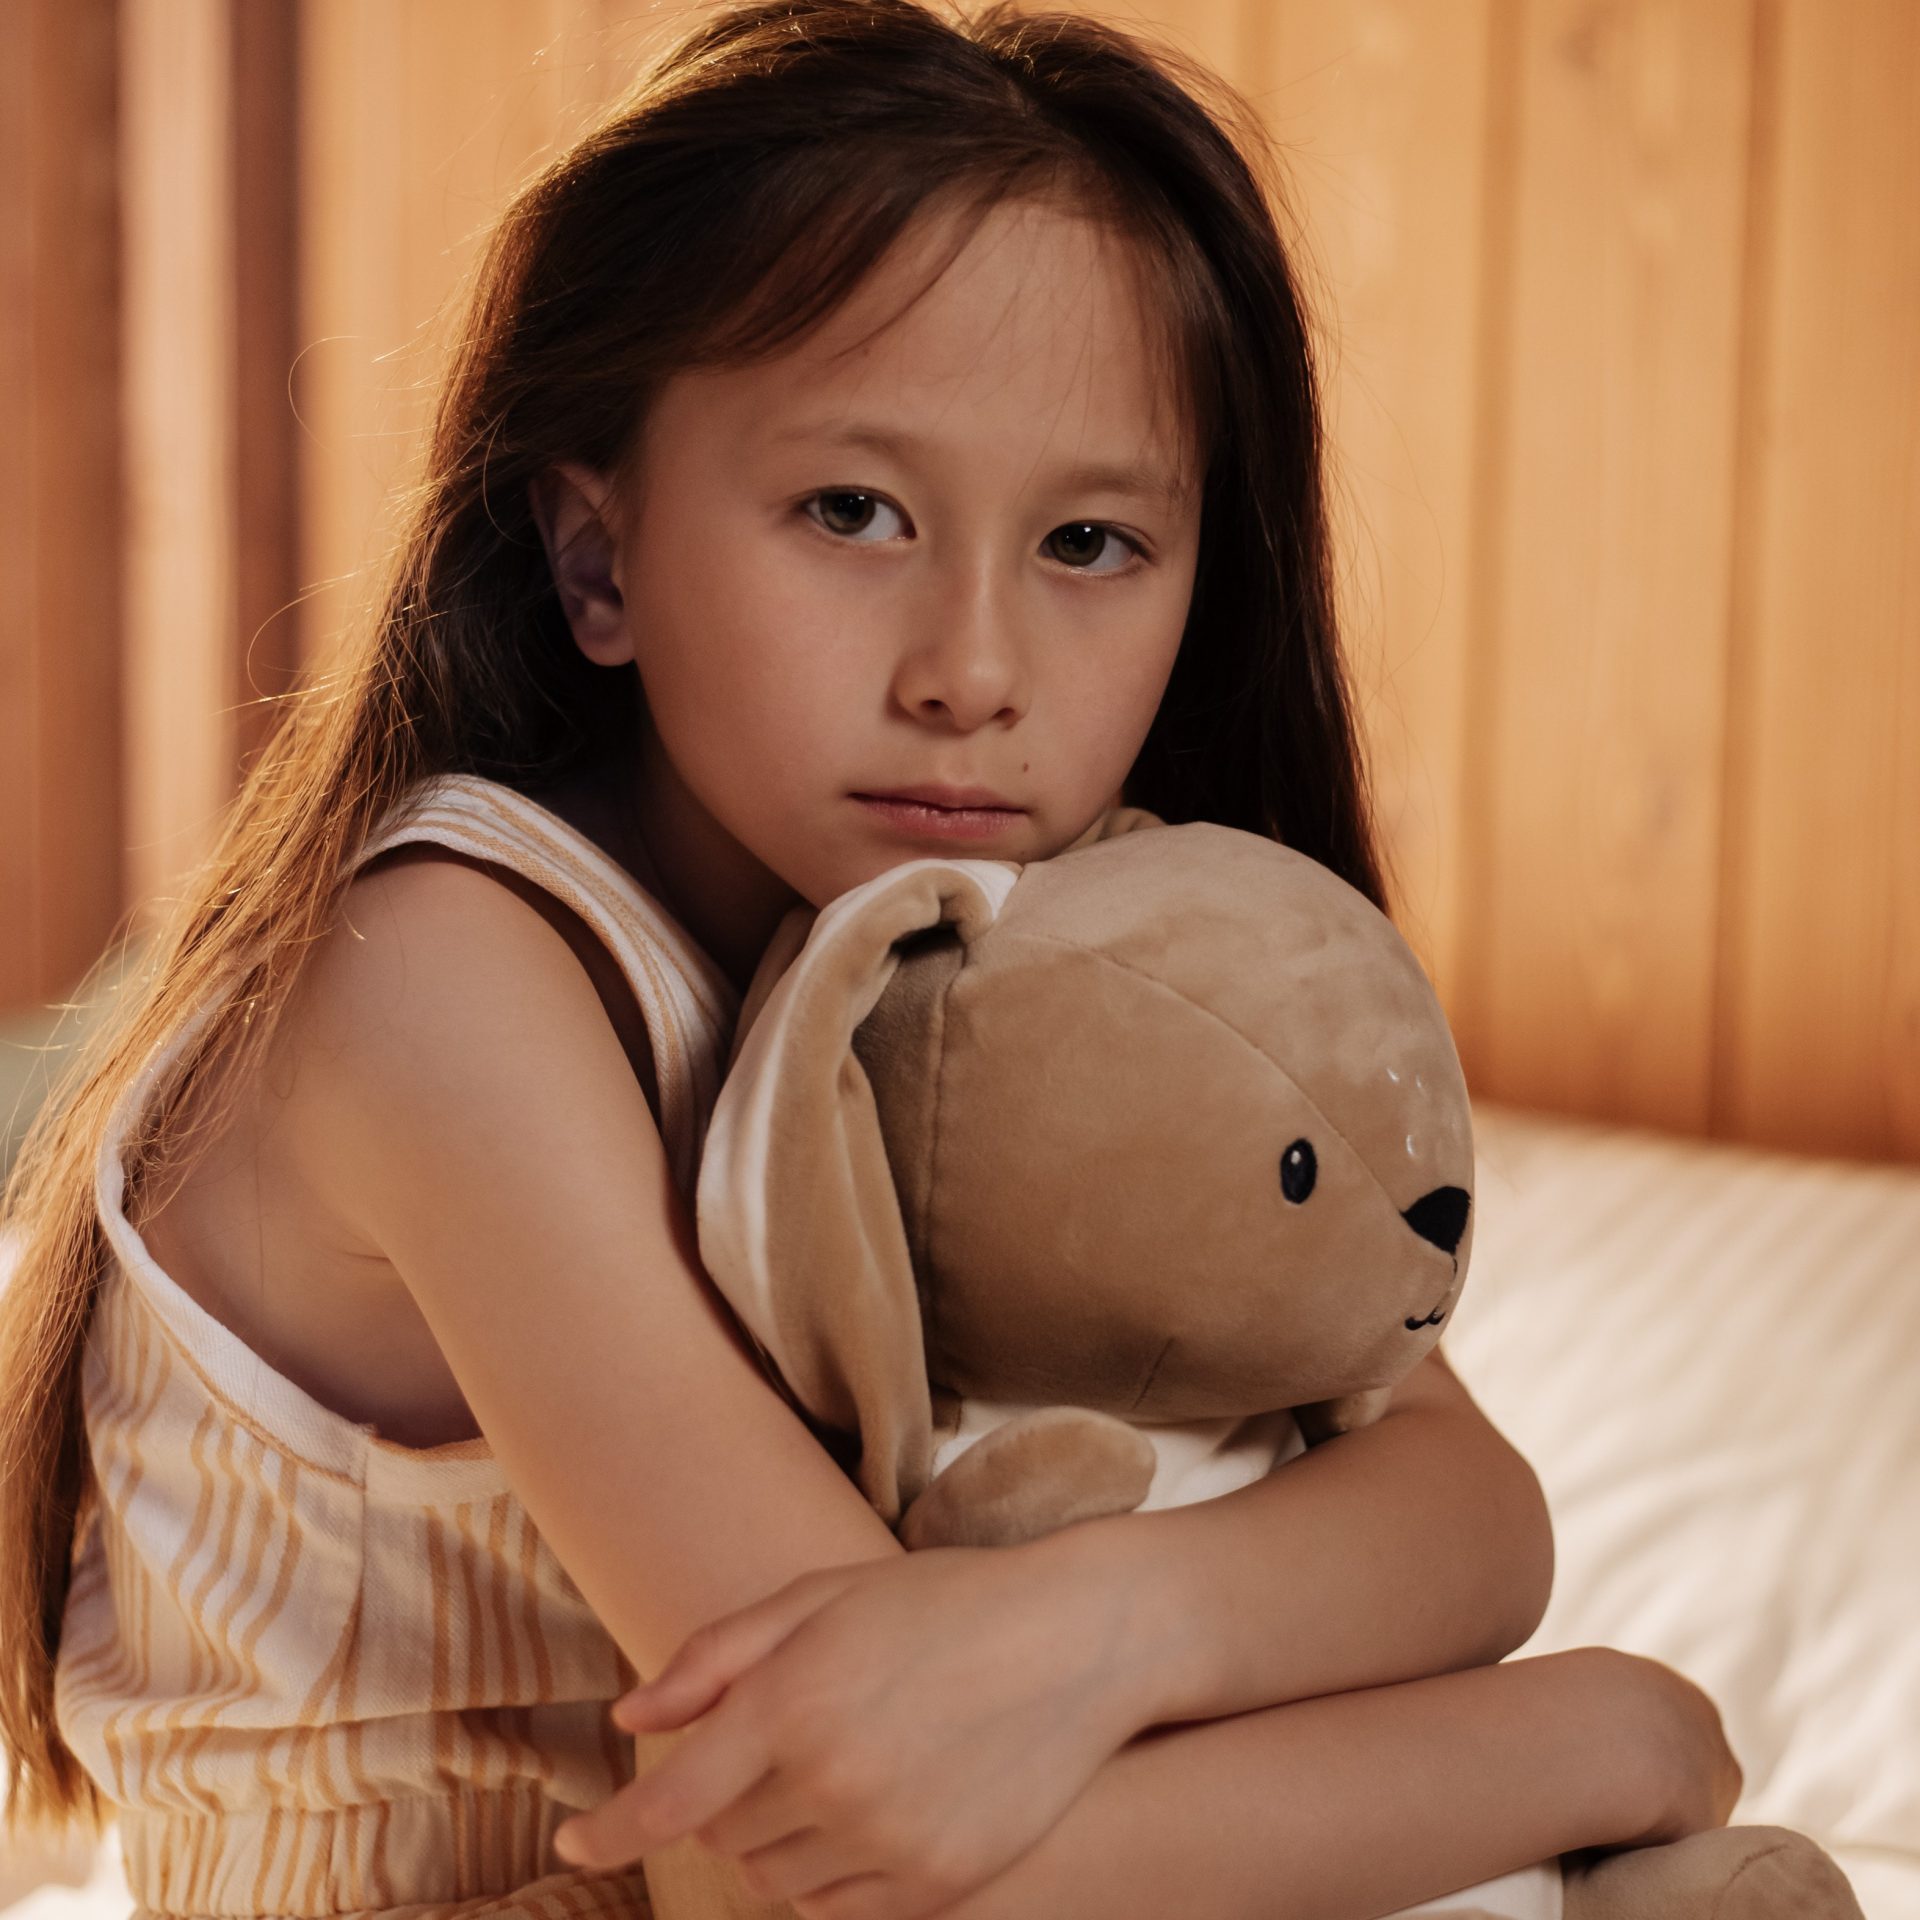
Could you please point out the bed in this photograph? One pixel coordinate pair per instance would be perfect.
(1711, 1356)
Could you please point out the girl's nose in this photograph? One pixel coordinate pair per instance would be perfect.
(966, 659)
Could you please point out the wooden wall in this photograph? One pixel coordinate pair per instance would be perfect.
(207, 168)
(1618, 307)
(61, 872)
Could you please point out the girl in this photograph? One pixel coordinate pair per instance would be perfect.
(874, 406)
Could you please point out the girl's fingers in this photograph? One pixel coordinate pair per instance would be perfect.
(825, 1877)
(766, 1813)
(711, 1768)
(868, 1896)
(809, 1861)
(711, 1659)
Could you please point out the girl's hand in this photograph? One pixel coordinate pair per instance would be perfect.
(875, 1741)
(1689, 1754)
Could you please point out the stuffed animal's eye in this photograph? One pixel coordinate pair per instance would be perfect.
(1298, 1168)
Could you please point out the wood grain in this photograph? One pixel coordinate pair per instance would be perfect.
(1602, 686)
(1383, 117)
(1820, 987)
(181, 527)
(60, 868)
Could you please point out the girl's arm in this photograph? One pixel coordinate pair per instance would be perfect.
(1357, 1804)
(462, 1103)
(1414, 1546)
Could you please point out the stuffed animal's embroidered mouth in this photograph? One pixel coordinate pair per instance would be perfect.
(1438, 1313)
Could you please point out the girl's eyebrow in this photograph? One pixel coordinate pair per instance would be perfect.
(1146, 483)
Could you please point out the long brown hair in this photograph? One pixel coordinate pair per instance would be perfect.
(761, 166)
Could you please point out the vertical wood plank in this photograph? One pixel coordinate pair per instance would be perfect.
(208, 258)
(350, 184)
(179, 356)
(1381, 112)
(1819, 1044)
(19, 651)
(59, 500)
(263, 60)
(75, 401)
(1589, 968)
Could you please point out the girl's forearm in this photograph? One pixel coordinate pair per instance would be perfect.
(1415, 1546)
(1351, 1805)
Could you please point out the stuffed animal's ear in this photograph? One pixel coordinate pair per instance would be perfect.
(781, 952)
(799, 1225)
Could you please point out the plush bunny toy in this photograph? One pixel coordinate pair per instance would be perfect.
(1112, 1181)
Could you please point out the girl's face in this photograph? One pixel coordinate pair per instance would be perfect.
(960, 553)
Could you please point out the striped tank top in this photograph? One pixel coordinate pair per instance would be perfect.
(316, 1672)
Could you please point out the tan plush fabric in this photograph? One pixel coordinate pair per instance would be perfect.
(982, 1120)
(318, 1672)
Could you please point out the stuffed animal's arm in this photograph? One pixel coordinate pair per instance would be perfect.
(1326, 1419)
(1031, 1476)
(1416, 1545)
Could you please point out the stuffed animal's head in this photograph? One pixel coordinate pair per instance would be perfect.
(1168, 1126)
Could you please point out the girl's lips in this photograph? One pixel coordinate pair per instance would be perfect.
(948, 823)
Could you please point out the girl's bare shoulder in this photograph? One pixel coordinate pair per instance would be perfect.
(427, 941)
(466, 1104)
(268, 1226)
(422, 916)
(444, 999)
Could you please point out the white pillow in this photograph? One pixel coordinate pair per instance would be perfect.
(1710, 1354)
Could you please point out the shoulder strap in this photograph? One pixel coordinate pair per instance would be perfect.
(688, 1004)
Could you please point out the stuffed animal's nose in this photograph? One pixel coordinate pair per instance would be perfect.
(1440, 1216)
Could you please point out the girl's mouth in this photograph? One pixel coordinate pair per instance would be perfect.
(949, 823)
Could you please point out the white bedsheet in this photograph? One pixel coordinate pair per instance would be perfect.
(1711, 1356)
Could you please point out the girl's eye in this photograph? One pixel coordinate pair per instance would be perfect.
(848, 512)
(1092, 536)
(845, 504)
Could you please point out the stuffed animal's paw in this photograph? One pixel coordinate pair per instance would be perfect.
(1326, 1419)
(1030, 1476)
(1724, 1873)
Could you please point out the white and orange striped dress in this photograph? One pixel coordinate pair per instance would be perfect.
(316, 1672)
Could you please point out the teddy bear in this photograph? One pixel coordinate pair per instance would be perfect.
(1114, 1181)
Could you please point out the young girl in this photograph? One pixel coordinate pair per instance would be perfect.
(872, 407)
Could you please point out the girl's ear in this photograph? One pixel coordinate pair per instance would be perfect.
(573, 508)
(799, 1223)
